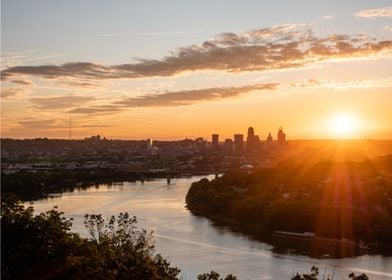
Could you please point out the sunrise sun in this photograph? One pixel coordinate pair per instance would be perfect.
(343, 125)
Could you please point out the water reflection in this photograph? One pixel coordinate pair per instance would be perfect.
(191, 242)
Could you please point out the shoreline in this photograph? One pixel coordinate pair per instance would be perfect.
(235, 227)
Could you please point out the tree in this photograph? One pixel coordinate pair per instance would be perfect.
(33, 246)
(123, 251)
(314, 272)
(215, 276)
(41, 247)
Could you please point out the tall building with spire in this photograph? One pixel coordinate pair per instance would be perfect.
(281, 137)
(269, 141)
(269, 138)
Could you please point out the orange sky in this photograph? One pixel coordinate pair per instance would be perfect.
(301, 76)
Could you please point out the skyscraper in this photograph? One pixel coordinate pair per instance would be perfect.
(269, 138)
(281, 137)
(239, 142)
(228, 146)
(250, 139)
(269, 143)
(251, 133)
(215, 141)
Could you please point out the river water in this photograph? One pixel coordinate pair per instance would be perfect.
(192, 243)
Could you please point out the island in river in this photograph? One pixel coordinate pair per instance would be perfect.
(337, 209)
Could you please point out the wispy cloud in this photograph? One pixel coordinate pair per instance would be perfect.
(97, 110)
(19, 86)
(376, 83)
(174, 98)
(12, 59)
(9, 92)
(42, 124)
(328, 17)
(78, 83)
(60, 102)
(379, 12)
(95, 125)
(373, 83)
(275, 48)
(187, 97)
(132, 34)
(387, 28)
(22, 82)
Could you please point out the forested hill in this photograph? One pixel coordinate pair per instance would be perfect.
(341, 200)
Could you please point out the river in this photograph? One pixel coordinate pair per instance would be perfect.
(192, 243)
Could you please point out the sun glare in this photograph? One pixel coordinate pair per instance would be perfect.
(343, 125)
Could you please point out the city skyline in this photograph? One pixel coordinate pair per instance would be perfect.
(323, 71)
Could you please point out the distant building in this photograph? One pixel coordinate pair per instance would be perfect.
(228, 145)
(269, 138)
(215, 141)
(281, 137)
(239, 142)
(149, 143)
(250, 139)
(151, 149)
(251, 134)
(93, 138)
(269, 143)
(256, 142)
(200, 143)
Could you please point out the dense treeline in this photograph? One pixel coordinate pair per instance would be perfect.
(350, 200)
(29, 185)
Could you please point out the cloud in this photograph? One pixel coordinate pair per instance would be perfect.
(97, 110)
(24, 86)
(328, 17)
(374, 83)
(194, 96)
(187, 97)
(22, 82)
(380, 12)
(387, 28)
(42, 124)
(173, 98)
(12, 59)
(60, 102)
(79, 83)
(95, 125)
(9, 92)
(278, 47)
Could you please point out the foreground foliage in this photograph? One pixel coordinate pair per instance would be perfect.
(41, 247)
(314, 273)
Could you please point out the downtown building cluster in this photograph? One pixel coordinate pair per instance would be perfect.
(252, 144)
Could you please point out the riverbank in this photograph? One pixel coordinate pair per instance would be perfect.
(316, 247)
(28, 185)
(267, 201)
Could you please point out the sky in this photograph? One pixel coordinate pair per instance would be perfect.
(190, 68)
